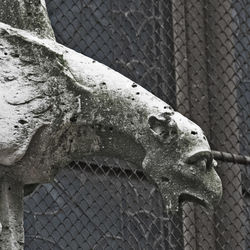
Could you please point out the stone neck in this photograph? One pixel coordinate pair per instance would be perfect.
(28, 15)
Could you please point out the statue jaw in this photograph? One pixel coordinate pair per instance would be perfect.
(185, 182)
(209, 192)
(181, 164)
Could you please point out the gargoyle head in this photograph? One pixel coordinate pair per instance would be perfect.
(82, 108)
(180, 162)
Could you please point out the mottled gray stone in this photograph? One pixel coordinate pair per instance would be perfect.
(58, 105)
(11, 214)
(27, 15)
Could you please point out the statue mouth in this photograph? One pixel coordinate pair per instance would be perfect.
(193, 180)
(207, 195)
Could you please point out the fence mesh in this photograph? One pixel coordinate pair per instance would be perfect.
(195, 55)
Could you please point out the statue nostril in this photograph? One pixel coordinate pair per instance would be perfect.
(165, 179)
(214, 163)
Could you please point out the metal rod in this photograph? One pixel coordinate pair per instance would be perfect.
(228, 157)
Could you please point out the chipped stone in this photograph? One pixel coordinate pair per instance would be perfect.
(9, 78)
(58, 109)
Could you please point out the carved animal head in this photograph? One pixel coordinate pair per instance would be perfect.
(65, 106)
(180, 162)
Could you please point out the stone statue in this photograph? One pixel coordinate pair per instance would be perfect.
(57, 105)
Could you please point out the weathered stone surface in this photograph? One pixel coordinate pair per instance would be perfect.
(27, 15)
(58, 105)
(11, 214)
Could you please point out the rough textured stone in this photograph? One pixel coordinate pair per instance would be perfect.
(59, 106)
(11, 214)
(27, 15)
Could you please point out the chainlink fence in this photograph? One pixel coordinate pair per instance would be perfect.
(195, 55)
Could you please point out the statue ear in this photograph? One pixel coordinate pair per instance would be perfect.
(156, 125)
(163, 127)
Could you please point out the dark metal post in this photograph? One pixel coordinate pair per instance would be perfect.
(192, 100)
(204, 64)
(224, 123)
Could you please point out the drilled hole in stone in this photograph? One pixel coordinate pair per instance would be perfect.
(103, 83)
(133, 99)
(165, 179)
(165, 107)
(73, 119)
(134, 85)
(22, 121)
(193, 132)
(93, 61)
(16, 126)
(6, 53)
(138, 93)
